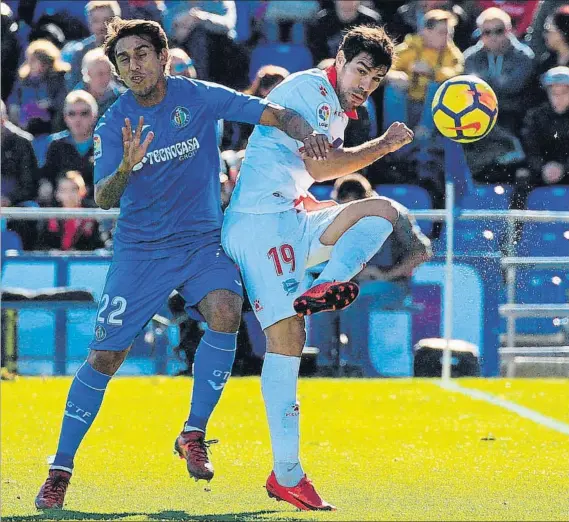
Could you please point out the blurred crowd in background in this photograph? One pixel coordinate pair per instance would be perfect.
(56, 82)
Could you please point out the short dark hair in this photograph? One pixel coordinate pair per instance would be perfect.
(119, 28)
(352, 184)
(368, 39)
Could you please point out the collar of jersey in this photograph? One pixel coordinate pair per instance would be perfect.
(333, 79)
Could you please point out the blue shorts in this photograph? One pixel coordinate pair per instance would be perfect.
(136, 290)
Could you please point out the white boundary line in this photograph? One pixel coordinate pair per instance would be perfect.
(522, 411)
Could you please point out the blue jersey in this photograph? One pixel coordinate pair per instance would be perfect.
(172, 199)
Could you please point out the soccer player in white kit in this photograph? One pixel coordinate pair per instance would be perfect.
(274, 230)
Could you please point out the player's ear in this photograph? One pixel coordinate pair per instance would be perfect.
(163, 57)
(340, 59)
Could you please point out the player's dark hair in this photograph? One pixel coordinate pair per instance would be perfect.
(368, 39)
(352, 185)
(119, 28)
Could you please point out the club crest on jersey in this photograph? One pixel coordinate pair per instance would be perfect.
(323, 115)
(100, 333)
(180, 117)
(97, 146)
(323, 91)
(290, 286)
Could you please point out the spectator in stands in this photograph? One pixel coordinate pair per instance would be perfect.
(70, 234)
(39, 92)
(98, 79)
(405, 250)
(326, 31)
(545, 132)
(556, 33)
(19, 164)
(181, 64)
(206, 30)
(142, 9)
(535, 32)
(410, 19)
(99, 12)
(504, 62)
(72, 149)
(10, 51)
(430, 56)
(521, 12)
(267, 78)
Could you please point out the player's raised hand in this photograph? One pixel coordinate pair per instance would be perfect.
(315, 146)
(398, 135)
(134, 151)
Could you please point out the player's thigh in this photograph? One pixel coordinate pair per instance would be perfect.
(212, 289)
(271, 252)
(351, 213)
(133, 293)
(318, 222)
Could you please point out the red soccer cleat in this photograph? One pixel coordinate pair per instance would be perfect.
(326, 297)
(52, 493)
(303, 495)
(192, 447)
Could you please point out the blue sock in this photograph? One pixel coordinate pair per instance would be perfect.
(212, 367)
(83, 403)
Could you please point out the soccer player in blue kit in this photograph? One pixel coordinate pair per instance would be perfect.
(164, 175)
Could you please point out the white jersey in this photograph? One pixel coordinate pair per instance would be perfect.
(273, 177)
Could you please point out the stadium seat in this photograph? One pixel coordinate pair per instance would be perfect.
(321, 192)
(476, 236)
(546, 239)
(540, 286)
(292, 57)
(412, 197)
(549, 198)
(11, 241)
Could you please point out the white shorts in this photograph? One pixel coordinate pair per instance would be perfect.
(273, 252)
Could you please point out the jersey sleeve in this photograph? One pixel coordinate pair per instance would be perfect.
(108, 147)
(309, 97)
(228, 104)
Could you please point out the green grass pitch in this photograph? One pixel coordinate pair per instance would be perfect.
(377, 449)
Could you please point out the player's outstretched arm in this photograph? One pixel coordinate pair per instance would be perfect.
(109, 190)
(345, 161)
(316, 145)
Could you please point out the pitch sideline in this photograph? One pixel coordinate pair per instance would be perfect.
(522, 411)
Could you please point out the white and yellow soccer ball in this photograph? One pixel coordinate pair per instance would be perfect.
(465, 109)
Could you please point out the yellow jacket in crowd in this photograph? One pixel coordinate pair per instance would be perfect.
(444, 63)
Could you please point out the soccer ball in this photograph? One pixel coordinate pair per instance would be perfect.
(465, 109)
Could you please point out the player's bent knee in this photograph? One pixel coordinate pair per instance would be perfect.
(381, 208)
(107, 361)
(222, 311)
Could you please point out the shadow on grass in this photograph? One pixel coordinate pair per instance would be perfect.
(162, 515)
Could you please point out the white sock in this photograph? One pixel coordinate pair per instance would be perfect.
(355, 248)
(278, 385)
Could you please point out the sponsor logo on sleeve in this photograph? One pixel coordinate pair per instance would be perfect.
(97, 146)
(323, 116)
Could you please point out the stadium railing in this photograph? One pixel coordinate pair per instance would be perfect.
(510, 310)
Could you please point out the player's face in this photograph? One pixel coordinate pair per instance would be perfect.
(559, 98)
(357, 79)
(79, 119)
(98, 19)
(139, 67)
